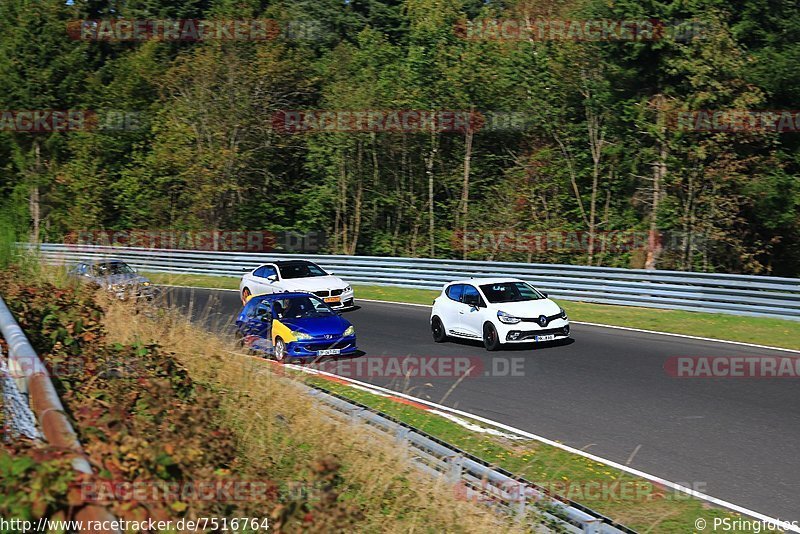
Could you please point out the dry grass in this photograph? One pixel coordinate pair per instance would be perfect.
(280, 428)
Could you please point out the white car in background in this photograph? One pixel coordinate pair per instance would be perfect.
(297, 275)
(497, 311)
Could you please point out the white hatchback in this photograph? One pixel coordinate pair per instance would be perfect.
(497, 311)
(297, 275)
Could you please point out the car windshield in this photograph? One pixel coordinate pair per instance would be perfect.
(111, 268)
(300, 270)
(301, 307)
(510, 292)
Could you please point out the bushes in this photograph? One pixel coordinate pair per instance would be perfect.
(143, 423)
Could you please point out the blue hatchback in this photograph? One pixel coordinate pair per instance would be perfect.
(294, 325)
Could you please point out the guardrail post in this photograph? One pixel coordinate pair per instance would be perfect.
(455, 468)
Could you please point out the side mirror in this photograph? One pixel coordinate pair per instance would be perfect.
(473, 302)
(330, 273)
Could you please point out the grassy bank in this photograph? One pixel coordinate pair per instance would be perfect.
(761, 331)
(276, 426)
(630, 500)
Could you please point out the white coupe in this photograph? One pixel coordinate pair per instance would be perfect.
(297, 275)
(497, 311)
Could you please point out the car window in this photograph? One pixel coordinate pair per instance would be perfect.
(250, 308)
(454, 292)
(303, 307)
(301, 270)
(111, 268)
(510, 292)
(262, 310)
(265, 271)
(470, 294)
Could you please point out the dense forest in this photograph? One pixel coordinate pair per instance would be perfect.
(568, 136)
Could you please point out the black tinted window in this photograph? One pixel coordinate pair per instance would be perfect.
(300, 270)
(454, 292)
(510, 292)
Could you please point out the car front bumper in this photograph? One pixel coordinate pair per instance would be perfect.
(529, 332)
(311, 348)
(134, 292)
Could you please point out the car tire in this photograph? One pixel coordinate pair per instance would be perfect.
(280, 350)
(491, 340)
(438, 331)
(245, 293)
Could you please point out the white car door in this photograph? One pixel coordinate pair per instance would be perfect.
(261, 281)
(471, 312)
(448, 306)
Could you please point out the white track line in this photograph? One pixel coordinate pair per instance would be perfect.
(658, 480)
(787, 526)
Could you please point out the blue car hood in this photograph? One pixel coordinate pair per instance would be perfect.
(316, 326)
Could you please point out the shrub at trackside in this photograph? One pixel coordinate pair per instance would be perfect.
(143, 423)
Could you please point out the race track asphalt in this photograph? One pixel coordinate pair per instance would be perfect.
(606, 392)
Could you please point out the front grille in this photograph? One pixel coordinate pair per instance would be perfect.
(324, 293)
(530, 334)
(550, 319)
(336, 292)
(313, 347)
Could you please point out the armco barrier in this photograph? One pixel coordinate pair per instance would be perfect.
(478, 479)
(49, 411)
(721, 293)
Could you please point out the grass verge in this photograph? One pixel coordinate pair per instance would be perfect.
(630, 500)
(278, 427)
(758, 330)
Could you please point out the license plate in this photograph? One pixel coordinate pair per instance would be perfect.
(333, 299)
(549, 337)
(328, 352)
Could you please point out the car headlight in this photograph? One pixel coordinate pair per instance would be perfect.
(348, 288)
(301, 336)
(563, 314)
(350, 331)
(507, 318)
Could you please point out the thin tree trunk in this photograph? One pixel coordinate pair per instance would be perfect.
(358, 201)
(596, 143)
(35, 206)
(343, 204)
(654, 241)
(465, 188)
(429, 171)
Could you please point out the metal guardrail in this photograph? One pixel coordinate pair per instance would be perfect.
(721, 293)
(479, 480)
(34, 380)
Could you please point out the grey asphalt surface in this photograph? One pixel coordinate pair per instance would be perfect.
(606, 392)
